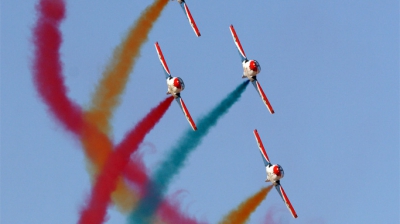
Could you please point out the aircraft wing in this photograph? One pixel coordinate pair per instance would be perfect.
(186, 112)
(262, 149)
(162, 60)
(190, 18)
(237, 43)
(264, 98)
(282, 193)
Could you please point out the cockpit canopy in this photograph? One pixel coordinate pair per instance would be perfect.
(181, 83)
(278, 170)
(255, 66)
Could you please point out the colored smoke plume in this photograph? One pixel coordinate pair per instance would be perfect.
(166, 210)
(242, 213)
(49, 82)
(115, 77)
(106, 98)
(270, 217)
(47, 66)
(178, 154)
(106, 182)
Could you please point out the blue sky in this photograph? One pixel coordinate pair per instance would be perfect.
(329, 68)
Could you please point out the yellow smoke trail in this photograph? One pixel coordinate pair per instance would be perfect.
(94, 138)
(115, 77)
(244, 210)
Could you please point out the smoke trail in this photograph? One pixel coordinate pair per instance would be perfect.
(106, 182)
(177, 156)
(115, 77)
(106, 97)
(244, 210)
(271, 214)
(49, 82)
(167, 212)
(47, 66)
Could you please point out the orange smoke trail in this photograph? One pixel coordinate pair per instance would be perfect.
(244, 210)
(115, 77)
(106, 97)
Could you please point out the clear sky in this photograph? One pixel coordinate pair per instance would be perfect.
(329, 68)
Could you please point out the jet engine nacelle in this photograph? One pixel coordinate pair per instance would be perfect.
(175, 85)
(274, 173)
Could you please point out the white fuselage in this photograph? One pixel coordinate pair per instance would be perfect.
(274, 173)
(250, 69)
(175, 86)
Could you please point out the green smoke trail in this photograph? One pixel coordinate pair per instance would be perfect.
(177, 156)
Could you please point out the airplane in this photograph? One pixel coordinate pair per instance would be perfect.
(251, 68)
(189, 16)
(274, 174)
(175, 86)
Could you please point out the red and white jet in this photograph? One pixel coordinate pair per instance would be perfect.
(189, 16)
(251, 68)
(274, 174)
(175, 86)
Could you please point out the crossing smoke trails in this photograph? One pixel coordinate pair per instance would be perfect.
(106, 182)
(162, 177)
(246, 208)
(49, 83)
(106, 98)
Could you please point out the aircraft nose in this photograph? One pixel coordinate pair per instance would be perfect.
(277, 171)
(177, 83)
(253, 65)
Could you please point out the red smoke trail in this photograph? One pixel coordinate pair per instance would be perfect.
(49, 81)
(47, 66)
(106, 182)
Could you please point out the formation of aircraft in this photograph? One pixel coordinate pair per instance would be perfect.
(189, 16)
(251, 68)
(274, 174)
(175, 87)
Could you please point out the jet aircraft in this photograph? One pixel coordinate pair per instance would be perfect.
(175, 86)
(274, 174)
(251, 68)
(189, 16)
